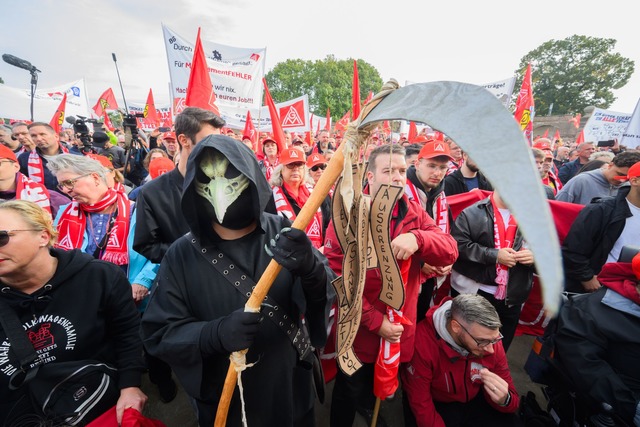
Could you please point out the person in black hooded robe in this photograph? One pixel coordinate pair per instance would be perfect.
(195, 317)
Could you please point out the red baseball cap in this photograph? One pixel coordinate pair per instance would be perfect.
(543, 144)
(292, 155)
(169, 135)
(104, 161)
(159, 166)
(634, 171)
(635, 265)
(433, 149)
(7, 153)
(315, 159)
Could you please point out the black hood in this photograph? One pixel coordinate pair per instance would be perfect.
(243, 159)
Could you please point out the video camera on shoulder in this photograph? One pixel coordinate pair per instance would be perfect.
(81, 130)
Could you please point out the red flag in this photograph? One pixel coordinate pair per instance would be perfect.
(355, 92)
(311, 123)
(276, 126)
(199, 89)
(413, 132)
(318, 128)
(327, 125)
(546, 134)
(107, 101)
(525, 109)
(107, 122)
(385, 371)
(58, 117)
(250, 130)
(343, 122)
(438, 136)
(150, 113)
(580, 138)
(308, 139)
(369, 97)
(556, 137)
(386, 127)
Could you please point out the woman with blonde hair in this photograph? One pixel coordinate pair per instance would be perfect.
(79, 309)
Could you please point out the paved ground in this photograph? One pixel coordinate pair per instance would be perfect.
(179, 413)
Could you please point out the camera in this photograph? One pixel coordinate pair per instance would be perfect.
(130, 125)
(81, 130)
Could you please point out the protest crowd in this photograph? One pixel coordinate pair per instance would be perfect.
(139, 259)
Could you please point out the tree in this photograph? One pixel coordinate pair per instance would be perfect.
(327, 82)
(575, 73)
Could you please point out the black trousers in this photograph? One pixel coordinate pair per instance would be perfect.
(350, 393)
(475, 413)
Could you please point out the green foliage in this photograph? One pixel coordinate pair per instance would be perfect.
(1, 81)
(327, 82)
(575, 73)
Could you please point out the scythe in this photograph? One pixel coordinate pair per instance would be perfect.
(478, 122)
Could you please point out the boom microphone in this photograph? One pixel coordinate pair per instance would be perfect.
(20, 63)
(70, 119)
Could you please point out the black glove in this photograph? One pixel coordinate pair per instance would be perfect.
(238, 330)
(292, 249)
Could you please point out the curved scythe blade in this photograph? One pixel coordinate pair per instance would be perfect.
(479, 123)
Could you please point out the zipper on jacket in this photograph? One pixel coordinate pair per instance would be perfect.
(453, 383)
(466, 391)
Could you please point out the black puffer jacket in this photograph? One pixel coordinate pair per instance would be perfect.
(477, 258)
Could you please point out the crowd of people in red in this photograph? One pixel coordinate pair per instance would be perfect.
(140, 259)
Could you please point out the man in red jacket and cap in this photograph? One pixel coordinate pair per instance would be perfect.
(459, 375)
(415, 238)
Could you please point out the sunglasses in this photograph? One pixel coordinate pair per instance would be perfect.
(68, 184)
(316, 167)
(5, 235)
(482, 342)
(292, 166)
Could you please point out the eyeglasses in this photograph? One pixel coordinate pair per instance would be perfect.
(292, 166)
(316, 167)
(5, 235)
(481, 343)
(68, 184)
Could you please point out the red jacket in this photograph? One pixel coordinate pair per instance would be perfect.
(434, 247)
(438, 372)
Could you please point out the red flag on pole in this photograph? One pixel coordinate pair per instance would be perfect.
(250, 131)
(107, 101)
(276, 125)
(556, 137)
(343, 122)
(385, 371)
(107, 122)
(355, 92)
(580, 138)
(546, 134)
(150, 112)
(327, 125)
(199, 89)
(58, 117)
(413, 132)
(525, 109)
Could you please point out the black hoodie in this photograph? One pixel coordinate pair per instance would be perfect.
(191, 298)
(84, 312)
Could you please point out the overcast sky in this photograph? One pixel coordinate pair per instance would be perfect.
(419, 41)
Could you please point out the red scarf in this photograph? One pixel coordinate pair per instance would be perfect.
(35, 166)
(502, 239)
(27, 189)
(73, 222)
(314, 229)
(441, 209)
(269, 168)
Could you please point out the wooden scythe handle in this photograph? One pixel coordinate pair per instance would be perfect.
(309, 209)
(320, 191)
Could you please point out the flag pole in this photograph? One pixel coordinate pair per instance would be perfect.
(376, 409)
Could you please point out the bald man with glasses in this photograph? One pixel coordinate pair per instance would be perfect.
(459, 375)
